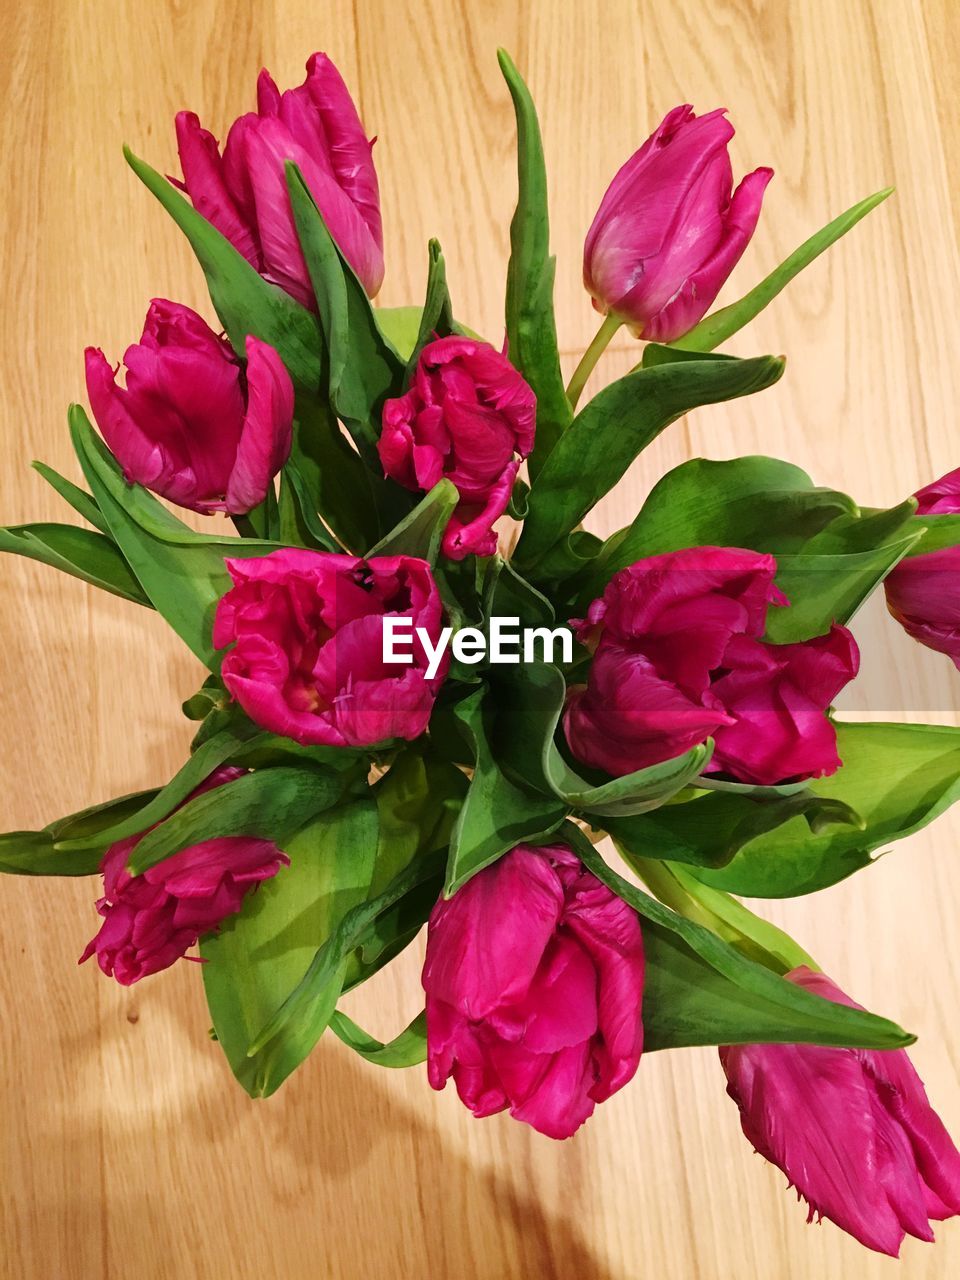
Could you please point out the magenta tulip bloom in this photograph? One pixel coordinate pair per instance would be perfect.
(151, 920)
(194, 423)
(851, 1128)
(469, 417)
(679, 659)
(670, 228)
(307, 634)
(534, 982)
(244, 192)
(923, 593)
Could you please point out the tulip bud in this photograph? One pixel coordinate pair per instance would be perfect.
(468, 417)
(244, 192)
(193, 424)
(923, 593)
(852, 1129)
(151, 920)
(668, 231)
(534, 981)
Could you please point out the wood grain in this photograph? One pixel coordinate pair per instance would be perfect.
(127, 1149)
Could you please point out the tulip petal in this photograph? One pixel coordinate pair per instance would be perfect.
(267, 431)
(696, 295)
(203, 178)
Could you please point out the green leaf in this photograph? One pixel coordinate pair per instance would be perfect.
(362, 368)
(509, 595)
(214, 753)
(897, 777)
(825, 586)
(723, 324)
(710, 829)
(531, 325)
(80, 552)
(497, 814)
(81, 501)
(698, 989)
(270, 804)
(260, 955)
(401, 327)
(244, 301)
(421, 532)
(830, 555)
(529, 708)
(749, 934)
(736, 503)
(300, 525)
(614, 427)
(182, 572)
(41, 853)
(303, 1017)
(358, 504)
(436, 318)
(338, 863)
(407, 1049)
(939, 533)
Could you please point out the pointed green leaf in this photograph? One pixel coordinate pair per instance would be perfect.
(216, 751)
(182, 572)
(531, 325)
(43, 853)
(497, 814)
(407, 1049)
(896, 777)
(244, 301)
(723, 324)
(421, 532)
(698, 989)
(260, 955)
(81, 501)
(711, 828)
(436, 318)
(80, 552)
(614, 428)
(362, 367)
(271, 804)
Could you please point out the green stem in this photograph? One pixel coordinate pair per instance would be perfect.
(611, 324)
(245, 526)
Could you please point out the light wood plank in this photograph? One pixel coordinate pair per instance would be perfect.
(127, 1150)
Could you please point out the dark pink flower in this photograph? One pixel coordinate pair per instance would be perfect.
(194, 423)
(923, 592)
(678, 658)
(852, 1129)
(468, 417)
(534, 982)
(151, 920)
(307, 634)
(670, 228)
(244, 192)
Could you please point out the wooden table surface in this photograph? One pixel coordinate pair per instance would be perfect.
(128, 1151)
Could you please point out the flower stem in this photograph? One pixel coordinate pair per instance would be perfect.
(611, 324)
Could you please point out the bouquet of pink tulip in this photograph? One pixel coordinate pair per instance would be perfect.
(404, 726)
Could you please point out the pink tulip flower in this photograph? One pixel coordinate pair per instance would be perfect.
(194, 423)
(852, 1129)
(670, 228)
(534, 981)
(244, 191)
